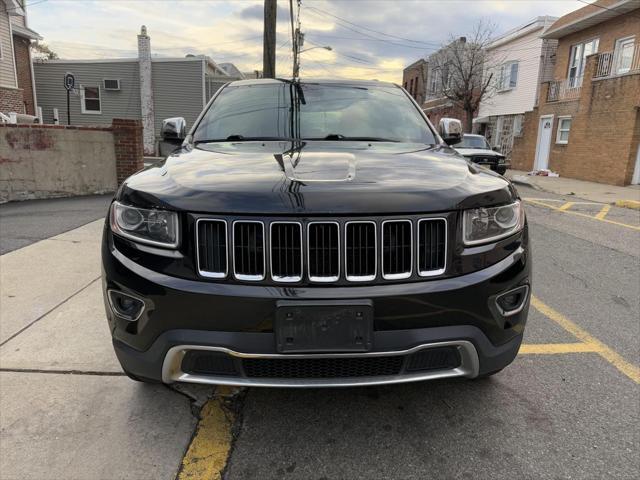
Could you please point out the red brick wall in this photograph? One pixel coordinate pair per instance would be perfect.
(23, 71)
(11, 100)
(129, 148)
(444, 108)
(413, 81)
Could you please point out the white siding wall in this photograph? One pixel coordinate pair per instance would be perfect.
(7, 72)
(527, 50)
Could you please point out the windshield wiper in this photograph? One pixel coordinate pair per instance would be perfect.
(340, 137)
(242, 138)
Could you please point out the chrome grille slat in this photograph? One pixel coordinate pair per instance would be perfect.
(323, 247)
(286, 251)
(248, 250)
(397, 249)
(360, 251)
(211, 248)
(432, 246)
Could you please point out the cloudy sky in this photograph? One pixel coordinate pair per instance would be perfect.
(370, 39)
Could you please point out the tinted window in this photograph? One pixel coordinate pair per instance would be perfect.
(338, 111)
(472, 142)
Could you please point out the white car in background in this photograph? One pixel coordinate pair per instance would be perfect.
(477, 149)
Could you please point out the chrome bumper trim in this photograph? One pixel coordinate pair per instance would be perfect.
(171, 368)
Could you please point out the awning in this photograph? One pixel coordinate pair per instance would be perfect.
(25, 32)
(481, 120)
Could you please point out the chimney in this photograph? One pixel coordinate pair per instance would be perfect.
(146, 92)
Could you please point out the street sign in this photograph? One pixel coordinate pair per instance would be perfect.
(69, 81)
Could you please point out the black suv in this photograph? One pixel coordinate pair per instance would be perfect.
(315, 234)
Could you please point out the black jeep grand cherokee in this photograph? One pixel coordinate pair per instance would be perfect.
(315, 234)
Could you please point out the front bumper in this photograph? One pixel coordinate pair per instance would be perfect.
(237, 320)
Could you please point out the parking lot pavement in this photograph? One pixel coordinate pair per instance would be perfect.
(567, 408)
(23, 223)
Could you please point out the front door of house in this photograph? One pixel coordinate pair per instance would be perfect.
(544, 142)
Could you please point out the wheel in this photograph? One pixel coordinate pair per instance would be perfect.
(501, 170)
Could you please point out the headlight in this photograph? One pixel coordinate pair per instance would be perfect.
(484, 225)
(155, 227)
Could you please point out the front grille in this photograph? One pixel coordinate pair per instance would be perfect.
(432, 246)
(322, 367)
(323, 240)
(360, 245)
(202, 362)
(396, 249)
(248, 250)
(440, 358)
(212, 248)
(286, 251)
(321, 251)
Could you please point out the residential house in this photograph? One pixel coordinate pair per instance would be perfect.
(436, 104)
(147, 88)
(414, 80)
(520, 60)
(587, 122)
(17, 92)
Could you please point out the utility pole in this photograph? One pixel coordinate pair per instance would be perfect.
(269, 39)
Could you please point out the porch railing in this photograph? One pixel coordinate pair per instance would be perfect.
(609, 64)
(564, 90)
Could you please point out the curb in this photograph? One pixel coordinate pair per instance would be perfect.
(633, 204)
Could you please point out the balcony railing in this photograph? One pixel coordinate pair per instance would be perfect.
(609, 64)
(564, 89)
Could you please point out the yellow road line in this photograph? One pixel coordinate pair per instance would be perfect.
(633, 227)
(557, 348)
(603, 212)
(566, 206)
(614, 358)
(210, 446)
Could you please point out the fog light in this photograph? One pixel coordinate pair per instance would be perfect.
(512, 302)
(125, 306)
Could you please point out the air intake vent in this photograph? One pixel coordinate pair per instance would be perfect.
(286, 251)
(432, 246)
(360, 246)
(396, 249)
(248, 250)
(212, 248)
(324, 252)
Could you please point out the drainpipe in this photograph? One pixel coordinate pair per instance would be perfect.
(146, 92)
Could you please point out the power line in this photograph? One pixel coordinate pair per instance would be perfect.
(25, 5)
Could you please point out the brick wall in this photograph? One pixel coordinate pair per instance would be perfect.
(444, 108)
(604, 134)
(413, 78)
(23, 71)
(129, 147)
(11, 100)
(45, 161)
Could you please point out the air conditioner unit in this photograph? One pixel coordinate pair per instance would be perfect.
(112, 84)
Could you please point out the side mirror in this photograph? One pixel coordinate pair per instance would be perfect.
(450, 130)
(174, 130)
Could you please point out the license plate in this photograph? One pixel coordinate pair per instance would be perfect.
(303, 327)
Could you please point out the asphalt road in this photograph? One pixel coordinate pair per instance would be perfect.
(26, 222)
(549, 415)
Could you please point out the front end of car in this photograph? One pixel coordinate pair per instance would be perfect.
(310, 299)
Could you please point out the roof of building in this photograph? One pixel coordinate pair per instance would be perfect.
(231, 69)
(590, 15)
(535, 24)
(416, 63)
(25, 32)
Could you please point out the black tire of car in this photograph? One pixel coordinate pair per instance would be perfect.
(501, 170)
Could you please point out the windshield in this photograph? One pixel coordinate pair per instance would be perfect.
(313, 112)
(472, 142)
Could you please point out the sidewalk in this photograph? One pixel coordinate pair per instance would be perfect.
(596, 192)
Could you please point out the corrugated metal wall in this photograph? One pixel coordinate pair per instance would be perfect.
(123, 103)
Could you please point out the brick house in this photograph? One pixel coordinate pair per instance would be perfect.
(517, 61)
(414, 80)
(17, 91)
(587, 121)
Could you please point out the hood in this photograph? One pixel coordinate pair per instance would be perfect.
(468, 152)
(315, 177)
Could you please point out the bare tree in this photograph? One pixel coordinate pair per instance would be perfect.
(463, 69)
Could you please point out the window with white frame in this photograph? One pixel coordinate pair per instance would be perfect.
(625, 48)
(434, 80)
(564, 127)
(90, 99)
(508, 76)
(578, 60)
